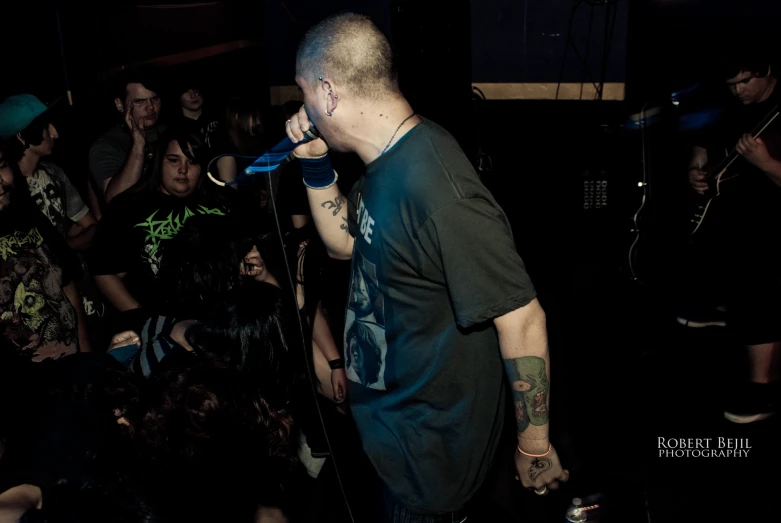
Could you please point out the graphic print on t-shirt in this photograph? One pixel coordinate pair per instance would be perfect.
(35, 314)
(364, 337)
(159, 230)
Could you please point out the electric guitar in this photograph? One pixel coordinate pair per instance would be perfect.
(722, 173)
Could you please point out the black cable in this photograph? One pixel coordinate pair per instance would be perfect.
(588, 51)
(608, 44)
(571, 42)
(309, 363)
(571, 22)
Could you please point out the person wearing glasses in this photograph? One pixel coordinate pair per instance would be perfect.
(739, 251)
(124, 155)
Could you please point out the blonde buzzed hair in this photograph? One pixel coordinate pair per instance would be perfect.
(352, 50)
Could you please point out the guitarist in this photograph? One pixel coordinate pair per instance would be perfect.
(743, 241)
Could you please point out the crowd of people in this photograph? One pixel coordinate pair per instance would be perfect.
(197, 356)
(198, 393)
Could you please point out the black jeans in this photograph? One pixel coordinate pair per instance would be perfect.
(395, 513)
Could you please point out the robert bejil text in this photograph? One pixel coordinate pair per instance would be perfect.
(703, 447)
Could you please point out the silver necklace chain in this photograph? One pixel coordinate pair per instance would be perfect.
(395, 133)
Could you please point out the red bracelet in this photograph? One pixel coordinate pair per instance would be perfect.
(536, 455)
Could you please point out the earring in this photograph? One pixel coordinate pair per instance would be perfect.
(329, 114)
(320, 78)
(336, 97)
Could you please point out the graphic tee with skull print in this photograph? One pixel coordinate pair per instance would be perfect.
(56, 197)
(36, 318)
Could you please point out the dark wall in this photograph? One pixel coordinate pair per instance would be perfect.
(525, 41)
(673, 42)
(286, 23)
(512, 40)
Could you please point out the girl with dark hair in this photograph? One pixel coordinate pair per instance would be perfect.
(261, 264)
(129, 241)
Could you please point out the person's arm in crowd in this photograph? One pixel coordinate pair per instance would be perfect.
(299, 220)
(323, 340)
(228, 169)
(134, 165)
(328, 205)
(17, 501)
(74, 297)
(115, 291)
(93, 201)
(81, 234)
(756, 152)
(523, 341)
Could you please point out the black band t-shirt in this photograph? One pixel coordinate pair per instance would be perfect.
(434, 263)
(37, 319)
(132, 233)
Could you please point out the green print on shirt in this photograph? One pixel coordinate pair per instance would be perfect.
(10, 245)
(159, 230)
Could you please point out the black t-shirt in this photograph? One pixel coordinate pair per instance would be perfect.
(131, 235)
(36, 264)
(434, 262)
(206, 127)
(108, 154)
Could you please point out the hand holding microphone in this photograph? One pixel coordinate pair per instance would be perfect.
(316, 167)
(296, 127)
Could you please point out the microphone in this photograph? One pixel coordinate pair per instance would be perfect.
(269, 160)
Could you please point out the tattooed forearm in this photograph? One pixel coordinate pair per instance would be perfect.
(529, 380)
(334, 205)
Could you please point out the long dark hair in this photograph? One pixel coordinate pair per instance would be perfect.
(11, 152)
(243, 122)
(254, 331)
(200, 265)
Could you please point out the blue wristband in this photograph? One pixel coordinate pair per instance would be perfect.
(318, 172)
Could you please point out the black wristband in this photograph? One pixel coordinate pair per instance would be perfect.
(338, 363)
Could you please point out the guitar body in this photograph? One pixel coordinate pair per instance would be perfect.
(701, 205)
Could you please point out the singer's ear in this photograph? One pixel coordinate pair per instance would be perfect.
(331, 95)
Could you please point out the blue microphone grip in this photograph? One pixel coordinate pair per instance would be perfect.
(277, 154)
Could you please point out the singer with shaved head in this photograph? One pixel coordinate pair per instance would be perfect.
(440, 304)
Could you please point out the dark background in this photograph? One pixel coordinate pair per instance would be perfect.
(624, 373)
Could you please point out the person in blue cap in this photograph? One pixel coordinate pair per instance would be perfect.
(28, 137)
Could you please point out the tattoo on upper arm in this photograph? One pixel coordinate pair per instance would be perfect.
(334, 205)
(344, 225)
(529, 381)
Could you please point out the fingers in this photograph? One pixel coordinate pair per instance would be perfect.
(298, 125)
(253, 258)
(125, 338)
(303, 120)
(128, 117)
(339, 393)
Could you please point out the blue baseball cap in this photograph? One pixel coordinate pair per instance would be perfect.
(17, 112)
